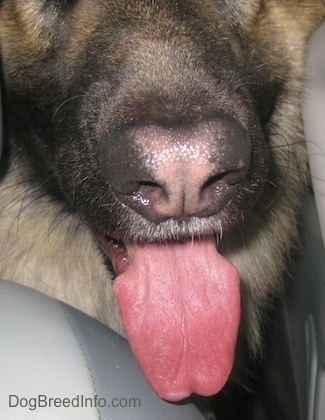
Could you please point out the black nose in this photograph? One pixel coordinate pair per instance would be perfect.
(176, 172)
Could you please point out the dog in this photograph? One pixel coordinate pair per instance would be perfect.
(153, 170)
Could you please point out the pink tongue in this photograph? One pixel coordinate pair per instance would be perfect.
(180, 306)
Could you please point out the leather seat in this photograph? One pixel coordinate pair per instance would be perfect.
(58, 363)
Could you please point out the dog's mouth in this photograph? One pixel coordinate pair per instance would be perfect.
(180, 305)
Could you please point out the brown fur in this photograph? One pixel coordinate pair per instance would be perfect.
(46, 245)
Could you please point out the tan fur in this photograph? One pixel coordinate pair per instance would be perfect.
(52, 251)
(27, 23)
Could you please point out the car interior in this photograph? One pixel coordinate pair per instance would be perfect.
(48, 348)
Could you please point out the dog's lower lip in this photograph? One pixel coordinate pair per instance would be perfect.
(115, 251)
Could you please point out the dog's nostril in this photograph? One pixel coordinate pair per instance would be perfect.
(230, 177)
(148, 193)
(126, 187)
(212, 183)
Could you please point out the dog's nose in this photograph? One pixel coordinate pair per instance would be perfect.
(177, 172)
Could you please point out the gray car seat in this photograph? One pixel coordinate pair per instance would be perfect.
(51, 353)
